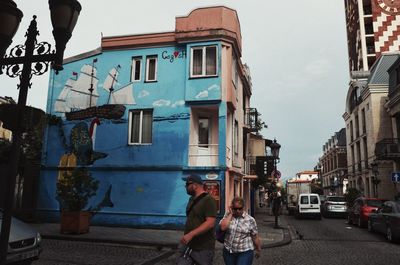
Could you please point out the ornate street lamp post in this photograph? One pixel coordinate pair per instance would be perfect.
(275, 147)
(276, 199)
(375, 180)
(64, 15)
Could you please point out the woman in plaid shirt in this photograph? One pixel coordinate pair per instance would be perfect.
(241, 238)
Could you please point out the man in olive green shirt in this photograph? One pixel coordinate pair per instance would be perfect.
(198, 241)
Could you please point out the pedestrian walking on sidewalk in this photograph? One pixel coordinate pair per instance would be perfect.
(261, 195)
(198, 242)
(276, 205)
(241, 237)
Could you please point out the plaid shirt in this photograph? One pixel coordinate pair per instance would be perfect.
(238, 236)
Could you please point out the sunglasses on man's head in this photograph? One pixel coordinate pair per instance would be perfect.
(237, 209)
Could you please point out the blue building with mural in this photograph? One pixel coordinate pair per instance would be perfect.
(143, 111)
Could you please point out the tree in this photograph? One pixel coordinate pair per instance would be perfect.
(260, 124)
(350, 196)
(31, 143)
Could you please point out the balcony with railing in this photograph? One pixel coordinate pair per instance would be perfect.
(250, 166)
(251, 120)
(203, 155)
(388, 149)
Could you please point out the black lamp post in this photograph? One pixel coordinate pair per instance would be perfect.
(276, 200)
(375, 180)
(275, 147)
(64, 15)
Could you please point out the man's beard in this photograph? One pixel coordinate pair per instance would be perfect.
(190, 192)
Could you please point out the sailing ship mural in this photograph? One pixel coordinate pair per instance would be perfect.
(123, 95)
(78, 99)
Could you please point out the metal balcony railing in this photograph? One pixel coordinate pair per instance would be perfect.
(250, 165)
(388, 149)
(251, 119)
(251, 160)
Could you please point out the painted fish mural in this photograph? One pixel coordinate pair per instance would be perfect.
(82, 145)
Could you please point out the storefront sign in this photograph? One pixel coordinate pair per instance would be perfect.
(213, 188)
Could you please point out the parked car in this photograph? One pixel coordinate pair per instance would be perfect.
(361, 209)
(309, 205)
(334, 206)
(23, 244)
(386, 220)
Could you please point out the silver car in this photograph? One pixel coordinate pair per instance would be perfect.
(24, 242)
(334, 206)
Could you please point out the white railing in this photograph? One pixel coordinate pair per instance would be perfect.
(203, 154)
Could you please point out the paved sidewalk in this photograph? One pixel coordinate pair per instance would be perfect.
(162, 238)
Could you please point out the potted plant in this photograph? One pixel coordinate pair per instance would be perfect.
(74, 190)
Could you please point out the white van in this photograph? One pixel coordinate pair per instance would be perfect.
(309, 205)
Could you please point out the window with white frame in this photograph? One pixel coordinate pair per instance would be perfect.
(136, 68)
(140, 126)
(203, 61)
(151, 68)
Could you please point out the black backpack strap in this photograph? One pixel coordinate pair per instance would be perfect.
(196, 200)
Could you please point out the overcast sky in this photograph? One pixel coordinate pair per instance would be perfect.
(296, 51)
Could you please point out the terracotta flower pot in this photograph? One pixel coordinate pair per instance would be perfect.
(74, 222)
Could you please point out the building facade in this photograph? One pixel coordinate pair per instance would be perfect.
(371, 30)
(389, 148)
(367, 123)
(143, 111)
(308, 175)
(334, 164)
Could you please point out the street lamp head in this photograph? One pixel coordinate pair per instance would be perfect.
(275, 149)
(64, 15)
(10, 18)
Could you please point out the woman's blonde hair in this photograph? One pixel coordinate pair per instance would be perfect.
(239, 200)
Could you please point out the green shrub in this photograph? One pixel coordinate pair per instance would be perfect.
(75, 189)
(350, 195)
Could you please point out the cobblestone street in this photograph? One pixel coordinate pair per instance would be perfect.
(329, 241)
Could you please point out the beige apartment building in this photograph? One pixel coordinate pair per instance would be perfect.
(389, 148)
(368, 123)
